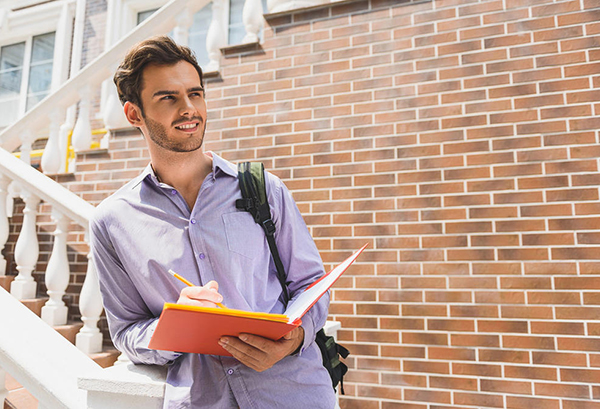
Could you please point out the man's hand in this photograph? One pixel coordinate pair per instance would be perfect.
(201, 296)
(261, 353)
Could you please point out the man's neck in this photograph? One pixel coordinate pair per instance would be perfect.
(184, 171)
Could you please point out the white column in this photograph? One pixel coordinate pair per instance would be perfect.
(113, 115)
(26, 143)
(89, 338)
(51, 159)
(82, 133)
(252, 16)
(26, 250)
(182, 29)
(57, 274)
(4, 225)
(215, 37)
(3, 390)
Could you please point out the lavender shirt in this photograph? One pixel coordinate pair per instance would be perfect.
(146, 227)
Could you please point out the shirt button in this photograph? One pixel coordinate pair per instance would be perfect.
(173, 192)
(202, 256)
(230, 372)
(193, 221)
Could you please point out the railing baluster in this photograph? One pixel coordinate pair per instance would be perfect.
(89, 338)
(215, 37)
(82, 132)
(51, 159)
(57, 274)
(4, 225)
(26, 250)
(252, 16)
(181, 32)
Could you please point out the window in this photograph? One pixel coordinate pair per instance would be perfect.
(25, 75)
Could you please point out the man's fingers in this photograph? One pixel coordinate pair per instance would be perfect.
(204, 296)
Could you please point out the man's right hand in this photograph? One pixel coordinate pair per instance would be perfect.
(201, 296)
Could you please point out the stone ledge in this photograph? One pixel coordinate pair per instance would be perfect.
(282, 13)
(236, 49)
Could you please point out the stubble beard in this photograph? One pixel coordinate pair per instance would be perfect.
(158, 135)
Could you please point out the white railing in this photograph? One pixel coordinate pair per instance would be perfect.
(34, 187)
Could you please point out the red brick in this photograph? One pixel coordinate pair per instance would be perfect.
(500, 386)
(514, 402)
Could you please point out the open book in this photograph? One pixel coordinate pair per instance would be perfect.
(185, 328)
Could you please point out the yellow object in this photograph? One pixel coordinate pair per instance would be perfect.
(229, 311)
(183, 280)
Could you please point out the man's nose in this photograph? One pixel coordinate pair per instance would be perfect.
(187, 107)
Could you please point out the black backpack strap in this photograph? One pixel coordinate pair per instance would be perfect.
(251, 176)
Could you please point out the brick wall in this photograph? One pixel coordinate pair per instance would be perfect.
(459, 139)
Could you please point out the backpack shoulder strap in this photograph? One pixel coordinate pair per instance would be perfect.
(251, 176)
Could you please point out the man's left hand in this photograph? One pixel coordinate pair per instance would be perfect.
(261, 353)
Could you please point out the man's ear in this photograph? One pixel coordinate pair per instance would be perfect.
(133, 113)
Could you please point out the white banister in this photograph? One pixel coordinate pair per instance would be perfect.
(57, 274)
(27, 249)
(41, 359)
(113, 115)
(26, 149)
(51, 158)
(61, 198)
(215, 37)
(82, 132)
(252, 16)
(89, 338)
(4, 225)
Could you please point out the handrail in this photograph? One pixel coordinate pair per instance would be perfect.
(41, 359)
(61, 198)
(95, 72)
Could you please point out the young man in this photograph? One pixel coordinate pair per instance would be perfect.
(180, 214)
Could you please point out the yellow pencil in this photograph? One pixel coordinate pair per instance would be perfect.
(180, 278)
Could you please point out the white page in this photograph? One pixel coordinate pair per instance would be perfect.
(303, 303)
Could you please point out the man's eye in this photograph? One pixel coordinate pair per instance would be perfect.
(167, 98)
(196, 94)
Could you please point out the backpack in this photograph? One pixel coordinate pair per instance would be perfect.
(251, 176)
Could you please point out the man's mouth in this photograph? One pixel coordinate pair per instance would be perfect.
(187, 127)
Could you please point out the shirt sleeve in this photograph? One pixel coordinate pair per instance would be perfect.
(299, 255)
(130, 322)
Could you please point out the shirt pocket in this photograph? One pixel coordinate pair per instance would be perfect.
(244, 235)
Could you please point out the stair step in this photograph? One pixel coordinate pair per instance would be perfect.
(18, 397)
(106, 358)
(69, 331)
(35, 305)
(5, 282)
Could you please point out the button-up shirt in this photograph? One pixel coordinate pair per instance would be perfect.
(147, 228)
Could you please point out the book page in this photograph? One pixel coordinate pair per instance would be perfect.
(312, 294)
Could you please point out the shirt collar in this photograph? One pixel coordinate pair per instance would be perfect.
(218, 163)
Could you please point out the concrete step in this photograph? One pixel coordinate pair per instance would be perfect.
(18, 397)
(69, 331)
(5, 282)
(35, 305)
(106, 358)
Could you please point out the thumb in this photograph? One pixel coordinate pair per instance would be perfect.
(212, 286)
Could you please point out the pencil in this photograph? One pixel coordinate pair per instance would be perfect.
(183, 280)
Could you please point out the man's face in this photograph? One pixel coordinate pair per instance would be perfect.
(174, 109)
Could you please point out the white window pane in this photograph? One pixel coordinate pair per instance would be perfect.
(33, 99)
(40, 77)
(9, 111)
(197, 35)
(143, 15)
(42, 48)
(10, 83)
(11, 56)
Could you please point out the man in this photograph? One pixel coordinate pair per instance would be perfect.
(180, 214)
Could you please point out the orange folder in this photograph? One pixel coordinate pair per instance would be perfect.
(185, 328)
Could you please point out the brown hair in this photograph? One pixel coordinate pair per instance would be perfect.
(160, 50)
